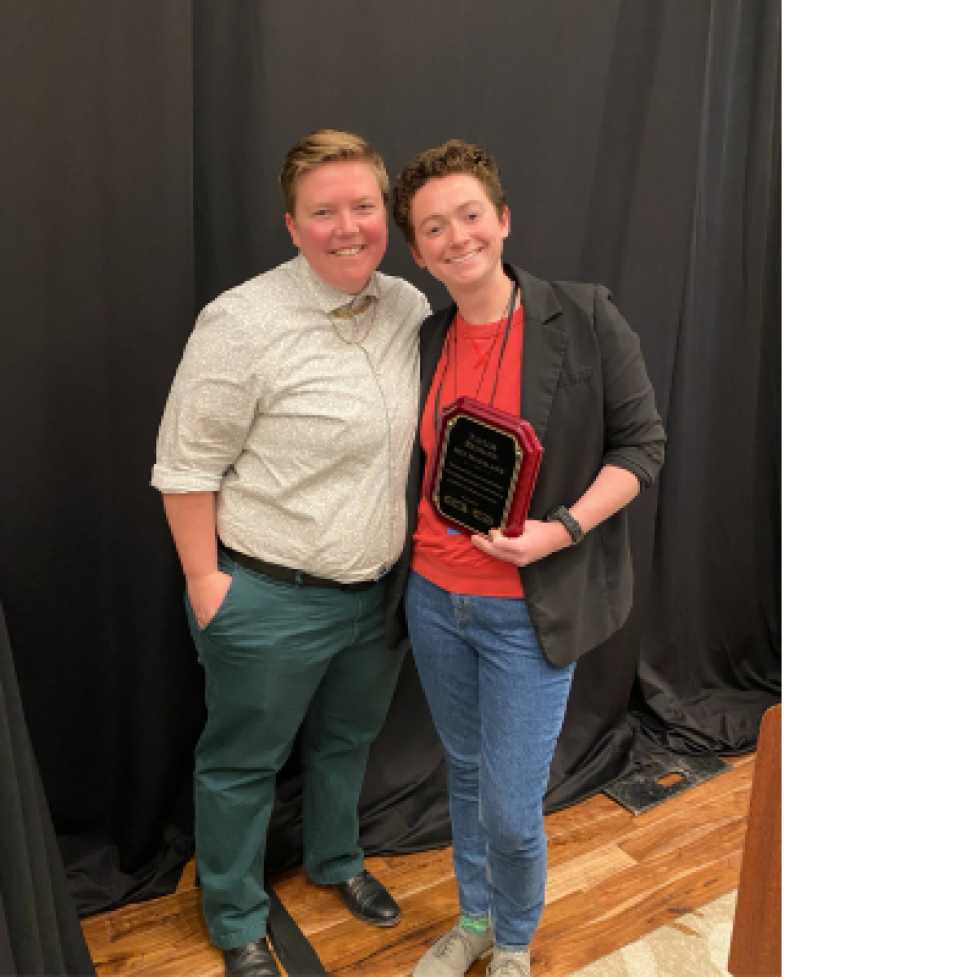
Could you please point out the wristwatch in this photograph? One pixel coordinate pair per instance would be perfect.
(562, 514)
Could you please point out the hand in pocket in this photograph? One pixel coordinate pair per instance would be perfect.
(206, 595)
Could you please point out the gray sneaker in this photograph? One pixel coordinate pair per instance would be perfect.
(454, 953)
(507, 964)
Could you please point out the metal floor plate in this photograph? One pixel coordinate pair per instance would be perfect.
(643, 789)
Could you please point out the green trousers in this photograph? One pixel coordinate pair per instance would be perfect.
(274, 655)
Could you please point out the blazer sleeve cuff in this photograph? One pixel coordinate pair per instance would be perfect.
(642, 468)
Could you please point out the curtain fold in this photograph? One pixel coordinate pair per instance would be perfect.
(710, 655)
(39, 929)
(96, 303)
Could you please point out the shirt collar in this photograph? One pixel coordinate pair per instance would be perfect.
(332, 298)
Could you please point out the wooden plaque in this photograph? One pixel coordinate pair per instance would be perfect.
(485, 466)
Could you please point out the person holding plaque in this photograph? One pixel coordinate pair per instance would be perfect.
(539, 425)
(282, 458)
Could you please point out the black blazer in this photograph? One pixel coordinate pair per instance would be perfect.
(586, 392)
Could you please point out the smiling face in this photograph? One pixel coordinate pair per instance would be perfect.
(340, 223)
(459, 233)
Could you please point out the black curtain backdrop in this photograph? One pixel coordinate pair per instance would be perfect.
(639, 145)
(39, 929)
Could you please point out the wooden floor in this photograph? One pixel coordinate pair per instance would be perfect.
(612, 878)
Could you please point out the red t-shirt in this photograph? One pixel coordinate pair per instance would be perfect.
(442, 554)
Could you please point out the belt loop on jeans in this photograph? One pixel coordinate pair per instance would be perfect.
(287, 575)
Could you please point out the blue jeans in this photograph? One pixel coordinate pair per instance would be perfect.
(498, 706)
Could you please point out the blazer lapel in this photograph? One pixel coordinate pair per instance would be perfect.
(544, 345)
(431, 343)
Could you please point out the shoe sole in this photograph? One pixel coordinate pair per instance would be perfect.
(371, 921)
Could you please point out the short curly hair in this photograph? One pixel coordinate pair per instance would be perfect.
(455, 156)
(329, 146)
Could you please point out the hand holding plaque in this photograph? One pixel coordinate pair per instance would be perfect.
(485, 466)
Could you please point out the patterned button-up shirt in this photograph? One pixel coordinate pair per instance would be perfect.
(304, 434)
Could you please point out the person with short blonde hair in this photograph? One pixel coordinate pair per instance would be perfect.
(282, 459)
(329, 146)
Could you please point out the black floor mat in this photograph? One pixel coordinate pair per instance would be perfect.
(662, 777)
(291, 945)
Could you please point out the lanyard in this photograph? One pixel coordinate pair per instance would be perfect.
(453, 341)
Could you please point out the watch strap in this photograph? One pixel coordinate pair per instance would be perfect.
(562, 514)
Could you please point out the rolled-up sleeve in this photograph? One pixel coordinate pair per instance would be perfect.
(212, 402)
(634, 436)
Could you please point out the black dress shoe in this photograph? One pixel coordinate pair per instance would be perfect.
(369, 901)
(251, 960)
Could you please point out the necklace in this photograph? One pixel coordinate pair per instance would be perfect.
(488, 355)
(356, 307)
